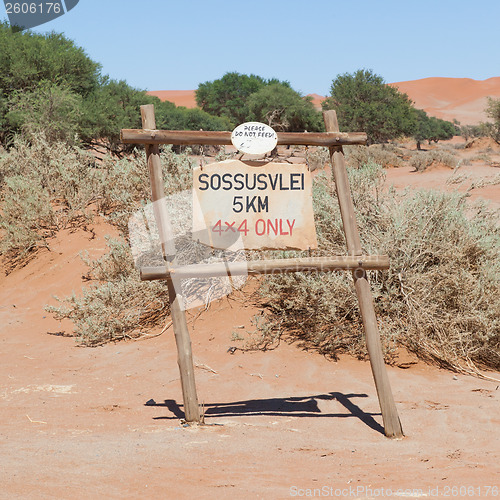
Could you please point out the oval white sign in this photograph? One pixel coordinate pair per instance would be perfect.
(254, 138)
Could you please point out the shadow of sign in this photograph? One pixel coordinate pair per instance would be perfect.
(299, 406)
(26, 14)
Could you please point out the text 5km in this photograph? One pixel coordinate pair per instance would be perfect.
(250, 204)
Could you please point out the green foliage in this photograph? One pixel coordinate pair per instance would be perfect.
(49, 108)
(170, 117)
(48, 84)
(113, 105)
(441, 130)
(493, 112)
(227, 96)
(364, 103)
(439, 298)
(29, 58)
(432, 129)
(284, 109)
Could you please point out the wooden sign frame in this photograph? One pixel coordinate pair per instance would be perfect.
(354, 261)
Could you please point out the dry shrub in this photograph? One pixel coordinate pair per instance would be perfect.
(425, 159)
(118, 305)
(45, 187)
(485, 144)
(317, 158)
(439, 298)
(386, 155)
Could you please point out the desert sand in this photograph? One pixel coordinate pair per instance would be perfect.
(106, 422)
(184, 98)
(461, 99)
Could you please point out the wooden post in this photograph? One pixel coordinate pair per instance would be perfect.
(392, 424)
(181, 332)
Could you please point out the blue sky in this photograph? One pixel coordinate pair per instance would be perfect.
(167, 45)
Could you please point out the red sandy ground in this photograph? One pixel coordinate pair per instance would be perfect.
(462, 99)
(105, 422)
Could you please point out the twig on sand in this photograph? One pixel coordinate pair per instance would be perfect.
(203, 366)
(145, 336)
(35, 421)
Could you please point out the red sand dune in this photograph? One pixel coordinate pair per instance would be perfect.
(462, 99)
(178, 97)
(317, 100)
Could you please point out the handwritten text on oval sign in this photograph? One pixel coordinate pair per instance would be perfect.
(239, 205)
(254, 138)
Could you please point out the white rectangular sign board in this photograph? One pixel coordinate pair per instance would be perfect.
(253, 205)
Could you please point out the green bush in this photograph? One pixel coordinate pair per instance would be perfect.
(49, 84)
(284, 110)
(439, 298)
(365, 103)
(49, 109)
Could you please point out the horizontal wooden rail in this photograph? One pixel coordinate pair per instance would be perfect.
(276, 266)
(187, 137)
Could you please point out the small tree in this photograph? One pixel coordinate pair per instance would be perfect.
(493, 111)
(28, 58)
(50, 108)
(364, 102)
(284, 109)
(422, 127)
(440, 130)
(432, 128)
(112, 106)
(227, 96)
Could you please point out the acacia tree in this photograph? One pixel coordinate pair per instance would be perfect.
(284, 109)
(227, 96)
(430, 128)
(28, 58)
(49, 109)
(493, 111)
(49, 84)
(365, 103)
